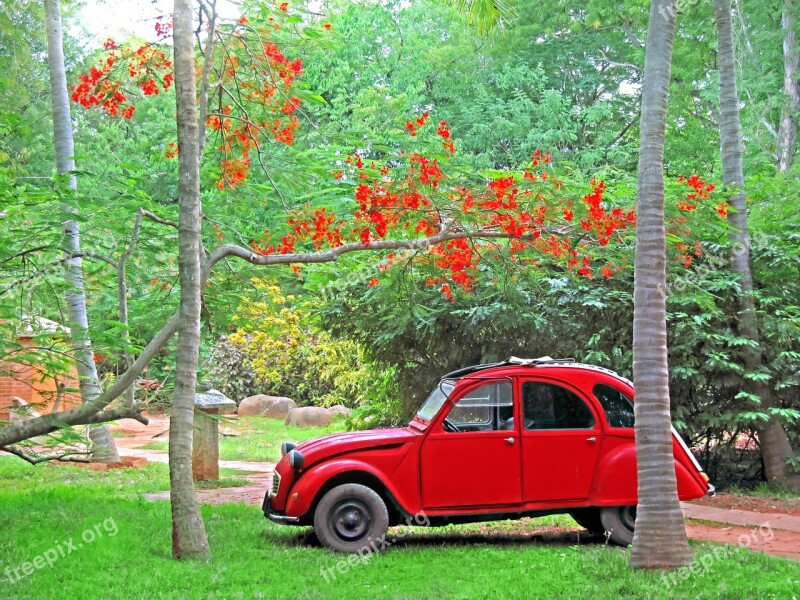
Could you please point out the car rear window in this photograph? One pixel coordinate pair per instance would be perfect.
(550, 406)
(617, 406)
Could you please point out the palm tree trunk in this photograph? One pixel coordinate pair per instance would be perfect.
(188, 530)
(102, 444)
(660, 536)
(787, 133)
(775, 446)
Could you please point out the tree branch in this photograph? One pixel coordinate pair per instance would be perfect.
(331, 255)
(92, 412)
(58, 263)
(36, 459)
(157, 219)
(211, 14)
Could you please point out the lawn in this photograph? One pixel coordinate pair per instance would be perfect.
(259, 438)
(46, 510)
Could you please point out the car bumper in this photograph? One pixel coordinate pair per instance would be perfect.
(277, 517)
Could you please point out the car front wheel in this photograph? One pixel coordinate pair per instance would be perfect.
(618, 523)
(350, 518)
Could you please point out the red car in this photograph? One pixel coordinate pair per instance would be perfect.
(506, 440)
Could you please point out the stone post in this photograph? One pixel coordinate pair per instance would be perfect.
(205, 441)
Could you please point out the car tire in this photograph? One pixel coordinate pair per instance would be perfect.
(618, 522)
(351, 518)
(589, 519)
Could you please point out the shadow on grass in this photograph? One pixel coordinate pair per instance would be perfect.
(432, 538)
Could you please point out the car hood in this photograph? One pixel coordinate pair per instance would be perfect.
(351, 441)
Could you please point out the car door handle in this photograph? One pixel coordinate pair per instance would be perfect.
(591, 440)
(509, 440)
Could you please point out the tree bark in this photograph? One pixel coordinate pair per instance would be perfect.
(775, 445)
(102, 444)
(787, 132)
(188, 530)
(660, 536)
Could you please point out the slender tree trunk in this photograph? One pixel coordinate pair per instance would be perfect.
(787, 133)
(775, 445)
(102, 444)
(188, 531)
(660, 537)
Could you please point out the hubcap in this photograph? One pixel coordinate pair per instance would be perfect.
(350, 519)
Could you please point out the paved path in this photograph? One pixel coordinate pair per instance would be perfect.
(259, 474)
(744, 518)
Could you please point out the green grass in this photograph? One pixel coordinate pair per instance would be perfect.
(235, 473)
(260, 438)
(764, 490)
(222, 482)
(43, 507)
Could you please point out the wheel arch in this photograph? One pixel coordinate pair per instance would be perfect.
(370, 480)
(312, 486)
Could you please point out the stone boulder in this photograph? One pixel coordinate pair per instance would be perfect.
(274, 407)
(309, 416)
(340, 410)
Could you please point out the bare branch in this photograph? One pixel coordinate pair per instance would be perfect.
(92, 411)
(332, 254)
(36, 459)
(25, 252)
(204, 79)
(57, 263)
(122, 292)
(157, 219)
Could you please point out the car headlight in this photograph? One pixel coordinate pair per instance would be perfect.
(296, 459)
(287, 447)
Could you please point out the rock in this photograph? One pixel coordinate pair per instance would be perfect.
(274, 407)
(214, 402)
(340, 410)
(309, 416)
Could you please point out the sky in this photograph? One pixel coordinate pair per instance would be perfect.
(121, 19)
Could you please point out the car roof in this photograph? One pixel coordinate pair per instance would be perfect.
(514, 363)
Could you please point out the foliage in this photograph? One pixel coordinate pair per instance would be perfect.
(564, 79)
(276, 349)
(522, 312)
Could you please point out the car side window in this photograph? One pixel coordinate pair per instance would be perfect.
(617, 406)
(549, 406)
(488, 407)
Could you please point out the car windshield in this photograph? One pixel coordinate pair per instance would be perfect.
(435, 400)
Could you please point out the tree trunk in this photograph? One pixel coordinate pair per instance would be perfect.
(188, 531)
(660, 536)
(102, 444)
(787, 133)
(775, 445)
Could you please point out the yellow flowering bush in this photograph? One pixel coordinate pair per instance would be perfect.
(276, 349)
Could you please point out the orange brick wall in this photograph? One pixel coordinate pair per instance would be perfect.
(32, 385)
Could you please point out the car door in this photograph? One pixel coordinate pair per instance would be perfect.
(560, 435)
(478, 465)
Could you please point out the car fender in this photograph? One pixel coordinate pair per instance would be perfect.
(616, 481)
(304, 492)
